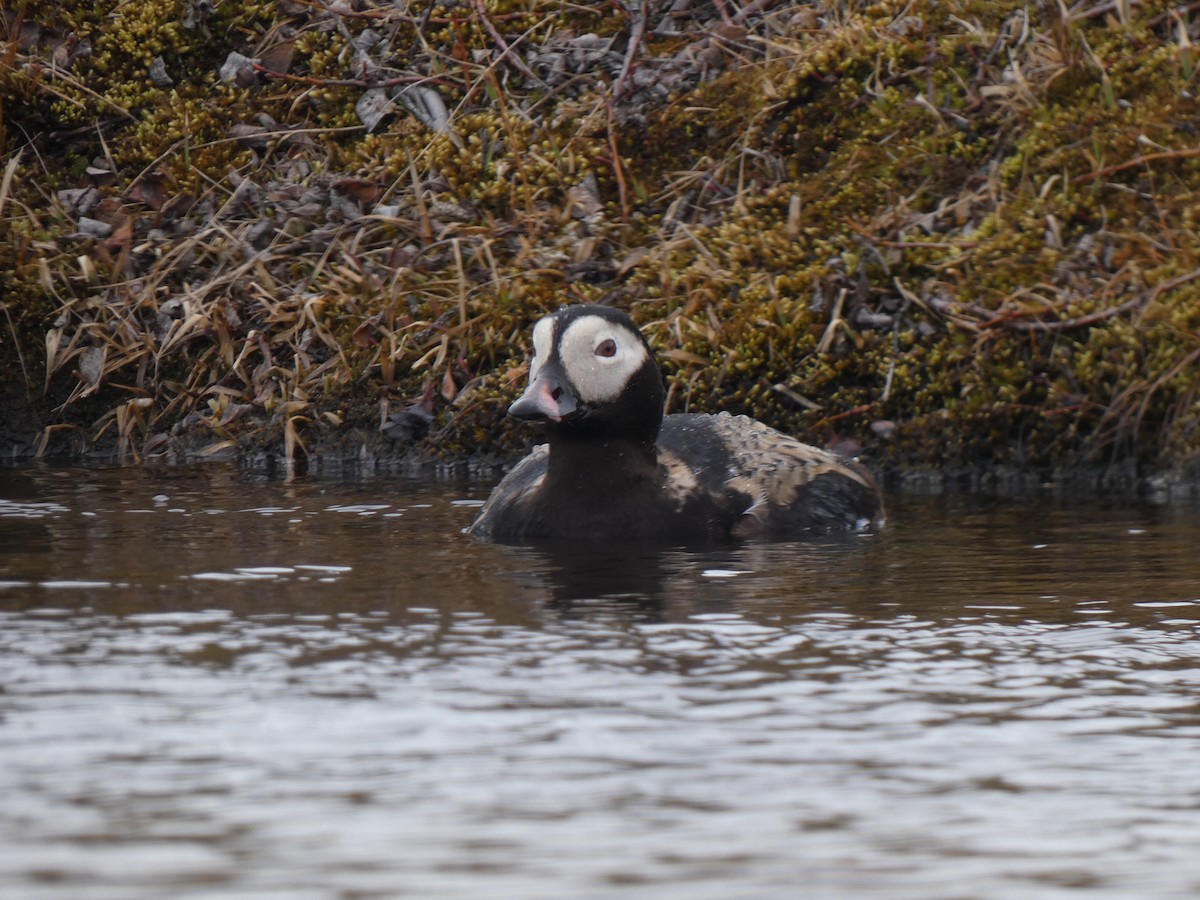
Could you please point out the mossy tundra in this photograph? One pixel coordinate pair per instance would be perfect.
(950, 234)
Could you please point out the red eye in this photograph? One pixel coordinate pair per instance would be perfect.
(607, 348)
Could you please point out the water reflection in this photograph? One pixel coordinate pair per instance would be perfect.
(215, 685)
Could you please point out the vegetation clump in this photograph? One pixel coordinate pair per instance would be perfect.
(955, 234)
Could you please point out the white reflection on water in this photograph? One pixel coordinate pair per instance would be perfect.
(924, 713)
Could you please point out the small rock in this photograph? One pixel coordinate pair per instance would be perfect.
(883, 428)
(94, 227)
(583, 199)
(872, 319)
(372, 106)
(408, 425)
(98, 176)
(158, 73)
(91, 364)
(79, 201)
(239, 69)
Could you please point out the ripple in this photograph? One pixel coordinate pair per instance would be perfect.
(238, 575)
(12, 509)
(272, 510)
(936, 712)
(74, 584)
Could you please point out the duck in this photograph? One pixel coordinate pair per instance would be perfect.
(615, 469)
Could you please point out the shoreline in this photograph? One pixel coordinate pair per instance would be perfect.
(358, 455)
(954, 239)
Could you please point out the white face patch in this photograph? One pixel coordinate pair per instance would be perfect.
(543, 338)
(600, 357)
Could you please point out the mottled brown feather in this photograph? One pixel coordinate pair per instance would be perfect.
(772, 467)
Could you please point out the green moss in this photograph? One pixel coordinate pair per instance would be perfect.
(917, 212)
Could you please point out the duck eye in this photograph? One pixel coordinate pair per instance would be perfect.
(607, 348)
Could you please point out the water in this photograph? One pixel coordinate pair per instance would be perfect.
(215, 686)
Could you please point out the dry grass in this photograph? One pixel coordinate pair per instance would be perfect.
(958, 233)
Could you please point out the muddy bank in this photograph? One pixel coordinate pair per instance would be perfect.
(952, 237)
(367, 453)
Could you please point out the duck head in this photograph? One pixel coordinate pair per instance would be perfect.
(592, 374)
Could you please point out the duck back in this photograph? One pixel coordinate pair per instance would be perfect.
(767, 482)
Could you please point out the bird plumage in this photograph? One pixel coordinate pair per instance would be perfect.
(615, 469)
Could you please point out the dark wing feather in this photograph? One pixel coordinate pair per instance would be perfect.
(507, 511)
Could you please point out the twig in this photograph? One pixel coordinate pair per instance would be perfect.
(723, 12)
(391, 15)
(95, 125)
(754, 8)
(1171, 283)
(506, 52)
(6, 181)
(910, 245)
(636, 31)
(618, 168)
(1175, 11)
(855, 411)
(991, 320)
(348, 82)
(337, 21)
(1136, 162)
(10, 170)
(834, 321)
(55, 72)
(1067, 324)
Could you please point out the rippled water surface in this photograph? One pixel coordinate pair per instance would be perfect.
(217, 686)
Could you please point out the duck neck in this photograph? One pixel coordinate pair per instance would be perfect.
(591, 465)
